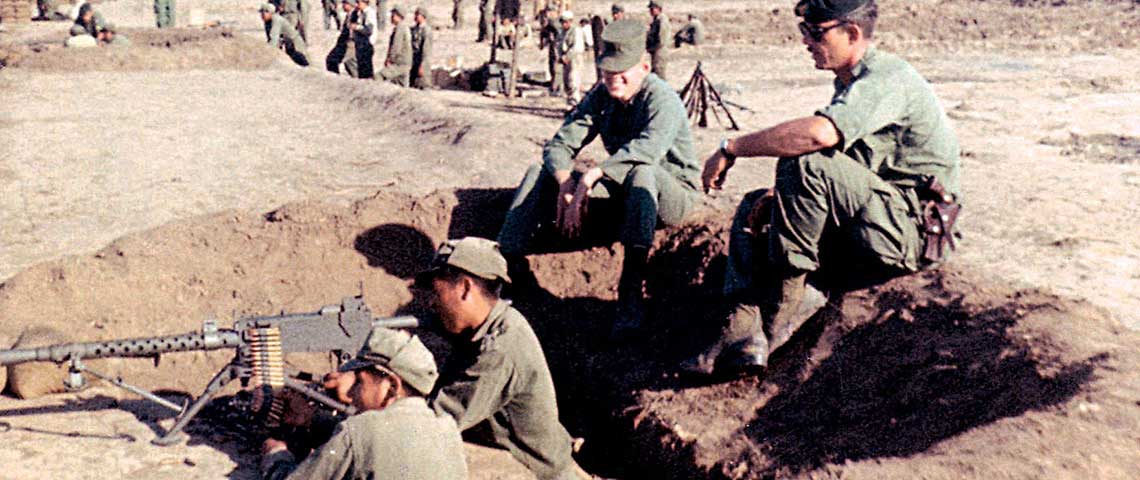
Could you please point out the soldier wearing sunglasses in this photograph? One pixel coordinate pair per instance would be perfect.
(846, 210)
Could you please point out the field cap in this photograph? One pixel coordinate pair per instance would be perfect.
(477, 256)
(402, 353)
(656, 3)
(819, 11)
(421, 11)
(623, 44)
(267, 8)
(398, 10)
(567, 15)
(615, 8)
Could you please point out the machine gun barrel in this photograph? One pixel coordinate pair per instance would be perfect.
(135, 347)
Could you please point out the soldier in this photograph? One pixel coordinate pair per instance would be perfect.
(398, 64)
(659, 33)
(108, 35)
(617, 12)
(354, 45)
(486, 16)
(651, 167)
(395, 435)
(85, 23)
(693, 33)
(421, 50)
(329, 14)
(296, 12)
(280, 32)
(497, 374)
(549, 38)
(852, 183)
(164, 13)
(457, 14)
(571, 48)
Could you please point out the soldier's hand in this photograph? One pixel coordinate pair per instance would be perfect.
(716, 171)
(339, 383)
(575, 214)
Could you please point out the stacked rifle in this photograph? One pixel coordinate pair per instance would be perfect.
(697, 95)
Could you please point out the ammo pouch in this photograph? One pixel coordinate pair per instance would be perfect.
(939, 212)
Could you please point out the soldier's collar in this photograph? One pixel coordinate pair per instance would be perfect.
(495, 314)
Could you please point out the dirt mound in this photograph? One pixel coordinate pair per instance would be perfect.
(938, 373)
(150, 49)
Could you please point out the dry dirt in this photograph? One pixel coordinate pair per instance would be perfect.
(141, 192)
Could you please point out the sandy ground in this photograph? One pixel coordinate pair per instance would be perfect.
(1043, 101)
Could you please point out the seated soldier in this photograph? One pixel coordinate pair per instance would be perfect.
(394, 435)
(279, 33)
(651, 169)
(693, 33)
(855, 183)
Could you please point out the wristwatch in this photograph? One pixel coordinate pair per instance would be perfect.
(724, 150)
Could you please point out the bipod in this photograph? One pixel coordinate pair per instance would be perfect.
(696, 96)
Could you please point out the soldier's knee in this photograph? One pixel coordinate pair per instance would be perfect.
(642, 176)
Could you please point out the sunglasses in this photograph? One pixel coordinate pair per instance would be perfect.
(816, 32)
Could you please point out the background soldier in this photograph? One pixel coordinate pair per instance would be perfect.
(549, 38)
(457, 14)
(395, 435)
(398, 63)
(659, 33)
(164, 13)
(693, 33)
(280, 32)
(330, 14)
(353, 45)
(497, 374)
(617, 12)
(108, 35)
(486, 16)
(651, 169)
(421, 50)
(571, 48)
(851, 185)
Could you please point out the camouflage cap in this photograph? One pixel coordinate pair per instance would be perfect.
(623, 44)
(267, 8)
(402, 353)
(819, 11)
(615, 8)
(477, 256)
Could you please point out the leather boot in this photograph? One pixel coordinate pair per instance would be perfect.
(741, 346)
(797, 302)
(630, 304)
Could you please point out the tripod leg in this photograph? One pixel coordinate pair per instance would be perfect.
(175, 434)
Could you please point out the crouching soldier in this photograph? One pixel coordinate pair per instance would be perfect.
(278, 32)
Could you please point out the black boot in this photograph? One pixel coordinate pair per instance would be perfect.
(630, 305)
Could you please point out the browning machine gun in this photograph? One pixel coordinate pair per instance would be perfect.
(259, 342)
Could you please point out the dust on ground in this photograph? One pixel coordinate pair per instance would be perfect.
(977, 371)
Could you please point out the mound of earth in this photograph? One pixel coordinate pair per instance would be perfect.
(150, 50)
(941, 375)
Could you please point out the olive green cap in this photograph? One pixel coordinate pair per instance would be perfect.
(819, 11)
(402, 353)
(623, 44)
(477, 256)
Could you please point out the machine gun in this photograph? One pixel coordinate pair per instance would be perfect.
(259, 343)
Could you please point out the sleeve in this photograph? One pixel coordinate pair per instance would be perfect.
(425, 52)
(576, 132)
(331, 460)
(275, 33)
(367, 26)
(479, 392)
(867, 106)
(661, 129)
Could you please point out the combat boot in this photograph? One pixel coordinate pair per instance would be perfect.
(797, 302)
(630, 305)
(741, 348)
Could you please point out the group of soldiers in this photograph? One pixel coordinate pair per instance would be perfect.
(91, 29)
(407, 62)
(866, 190)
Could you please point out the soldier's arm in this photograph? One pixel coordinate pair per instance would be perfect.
(576, 132)
(331, 460)
(788, 139)
(478, 393)
(275, 33)
(666, 119)
(867, 106)
(425, 54)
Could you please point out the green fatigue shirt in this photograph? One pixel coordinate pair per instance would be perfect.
(889, 120)
(400, 47)
(499, 376)
(277, 29)
(405, 440)
(652, 129)
(421, 46)
(659, 32)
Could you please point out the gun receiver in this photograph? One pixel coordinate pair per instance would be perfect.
(259, 342)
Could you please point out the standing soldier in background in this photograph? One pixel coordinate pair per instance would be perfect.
(571, 47)
(617, 12)
(655, 43)
(354, 45)
(457, 14)
(549, 38)
(164, 13)
(398, 63)
(421, 50)
(280, 32)
(330, 14)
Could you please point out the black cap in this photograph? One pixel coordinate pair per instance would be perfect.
(819, 11)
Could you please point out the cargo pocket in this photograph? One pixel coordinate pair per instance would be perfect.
(888, 231)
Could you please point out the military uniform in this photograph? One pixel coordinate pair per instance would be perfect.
(330, 14)
(398, 64)
(457, 14)
(279, 31)
(894, 133)
(421, 55)
(499, 378)
(693, 33)
(164, 13)
(549, 38)
(655, 43)
(405, 440)
(353, 47)
(651, 168)
(486, 15)
(570, 51)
